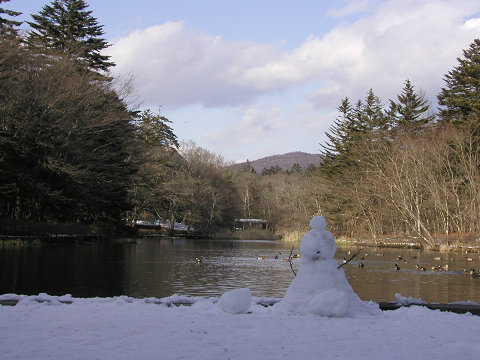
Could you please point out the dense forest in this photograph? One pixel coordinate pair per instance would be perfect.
(74, 151)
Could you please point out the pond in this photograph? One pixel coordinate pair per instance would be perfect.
(159, 267)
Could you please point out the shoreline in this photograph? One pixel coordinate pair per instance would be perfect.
(458, 308)
(457, 246)
(468, 243)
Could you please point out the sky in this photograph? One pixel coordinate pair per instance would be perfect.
(256, 78)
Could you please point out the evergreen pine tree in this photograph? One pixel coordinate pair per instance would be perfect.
(296, 168)
(8, 26)
(67, 27)
(367, 120)
(411, 111)
(341, 135)
(460, 99)
(372, 115)
(248, 167)
(153, 130)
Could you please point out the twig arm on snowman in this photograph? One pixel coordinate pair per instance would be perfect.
(346, 262)
(290, 261)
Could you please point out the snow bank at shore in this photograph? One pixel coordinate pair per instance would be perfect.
(128, 328)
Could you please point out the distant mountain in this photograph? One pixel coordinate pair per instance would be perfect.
(285, 161)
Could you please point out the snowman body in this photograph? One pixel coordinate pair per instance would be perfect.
(320, 287)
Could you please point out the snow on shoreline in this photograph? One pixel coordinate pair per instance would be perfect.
(128, 328)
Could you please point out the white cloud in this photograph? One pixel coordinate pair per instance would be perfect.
(317, 58)
(396, 40)
(473, 24)
(402, 39)
(265, 131)
(353, 7)
(172, 65)
(255, 125)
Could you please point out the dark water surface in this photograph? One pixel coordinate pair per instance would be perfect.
(163, 267)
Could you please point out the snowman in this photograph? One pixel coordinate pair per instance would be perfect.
(320, 287)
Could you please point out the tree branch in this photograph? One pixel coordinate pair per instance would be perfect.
(290, 261)
(346, 262)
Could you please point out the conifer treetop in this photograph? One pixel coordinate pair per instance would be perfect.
(8, 25)
(460, 99)
(68, 27)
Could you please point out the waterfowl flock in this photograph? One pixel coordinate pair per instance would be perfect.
(396, 267)
(420, 268)
(472, 272)
(434, 268)
(277, 256)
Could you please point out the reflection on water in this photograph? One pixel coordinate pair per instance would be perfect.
(379, 280)
(163, 267)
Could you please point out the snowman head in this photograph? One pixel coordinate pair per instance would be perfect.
(318, 243)
(318, 223)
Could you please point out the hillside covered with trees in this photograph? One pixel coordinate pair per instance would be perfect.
(292, 162)
(74, 151)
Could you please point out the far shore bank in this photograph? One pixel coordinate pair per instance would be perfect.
(454, 242)
(443, 242)
(451, 242)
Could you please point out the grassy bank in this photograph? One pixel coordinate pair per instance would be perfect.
(293, 236)
(443, 242)
(47, 230)
(247, 235)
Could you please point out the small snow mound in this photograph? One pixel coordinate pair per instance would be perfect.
(236, 301)
(318, 222)
(402, 300)
(465, 302)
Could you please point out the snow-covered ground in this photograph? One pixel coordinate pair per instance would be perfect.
(126, 328)
(320, 317)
